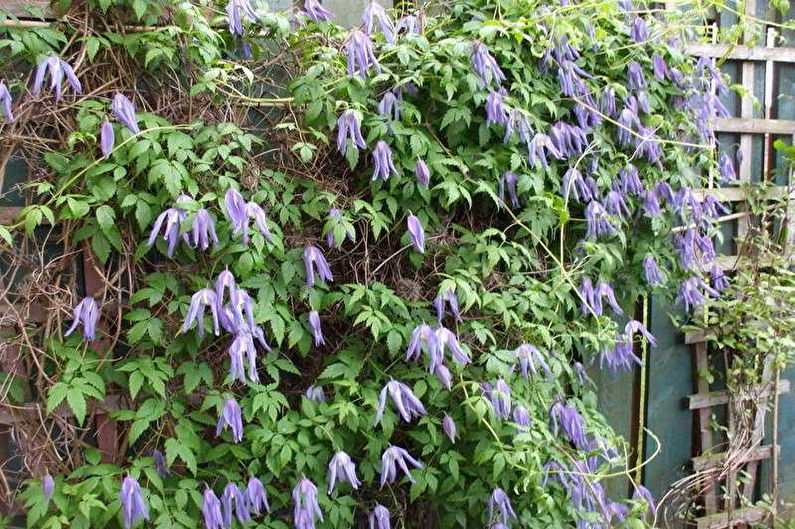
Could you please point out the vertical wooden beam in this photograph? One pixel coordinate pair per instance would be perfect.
(705, 421)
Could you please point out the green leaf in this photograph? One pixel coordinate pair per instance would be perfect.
(77, 402)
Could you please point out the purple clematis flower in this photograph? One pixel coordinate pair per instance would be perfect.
(316, 12)
(499, 396)
(203, 230)
(522, 418)
(373, 14)
(404, 400)
(424, 338)
(659, 67)
(348, 128)
(313, 258)
(569, 140)
(630, 181)
(570, 78)
(508, 183)
(726, 168)
(342, 465)
(243, 344)
(449, 428)
(58, 68)
(416, 233)
(651, 203)
(444, 375)
(719, 281)
(607, 102)
(240, 214)
(615, 205)
(447, 297)
(495, 107)
(652, 271)
(361, 57)
(605, 291)
(485, 65)
(539, 147)
(382, 160)
(47, 486)
(257, 496)
(621, 356)
(5, 102)
(389, 106)
(231, 416)
(447, 339)
(124, 110)
(639, 31)
(236, 12)
(529, 356)
(315, 393)
(106, 139)
(579, 372)
(422, 173)
(350, 233)
(234, 499)
(211, 510)
(203, 298)
(635, 77)
(598, 219)
(160, 463)
(585, 111)
(86, 313)
(690, 291)
(170, 221)
(573, 425)
(634, 326)
(501, 505)
(686, 244)
(410, 25)
(379, 518)
(642, 493)
(133, 506)
(305, 506)
(394, 457)
(575, 186)
(314, 324)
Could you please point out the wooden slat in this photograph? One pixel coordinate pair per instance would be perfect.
(738, 194)
(716, 398)
(747, 515)
(18, 8)
(755, 126)
(704, 423)
(742, 53)
(9, 213)
(759, 453)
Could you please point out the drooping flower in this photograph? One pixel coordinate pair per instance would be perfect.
(516, 119)
(605, 291)
(607, 102)
(634, 326)
(449, 428)
(423, 338)
(573, 185)
(374, 13)
(579, 372)
(382, 161)
(539, 147)
(124, 110)
(495, 107)
(407, 404)
(234, 499)
(508, 183)
(348, 128)
(726, 169)
(314, 259)
(202, 231)
(241, 213)
(236, 12)
(231, 416)
(642, 493)
(106, 138)
(410, 25)
(315, 393)
(690, 291)
(47, 486)
(316, 12)
(389, 106)
(85, 313)
(379, 518)
(160, 463)
(133, 506)
(305, 507)
(615, 205)
(422, 173)
(569, 140)
(170, 221)
(529, 356)
(651, 203)
(443, 374)
(361, 57)
(57, 68)
(500, 504)
(585, 112)
(522, 417)
(599, 223)
(659, 67)
(635, 77)
(718, 277)
(447, 297)
(314, 324)
(416, 233)
(341, 466)
(570, 78)
(499, 396)
(394, 457)
(5, 102)
(652, 271)
(572, 423)
(447, 339)
(257, 496)
(203, 298)
(211, 510)
(485, 65)
(243, 344)
(639, 32)
(350, 233)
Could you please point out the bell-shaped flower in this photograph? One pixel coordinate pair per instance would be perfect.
(599, 223)
(389, 106)
(5, 102)
(392, 458)
(522, 418)
(539, 147)
(718, 278)
(240, 215)
(422, 173)
(170, 221)
(407, 404)
(361, 57)
(495, 107)
(642, 493)
(572, 423)
(500, 505)
(243, 344)
(314, 324)
(530, 357)
(409, 25)
(234, 500)
(605, 291)
(726, 168)
(382, 161)
(485, 65)
(203, 298)
(416, 233)
(257, 496)
(446, 339)
(500, 397)
(635, 78)
(225, 282)
(85, 313)
(579, 372)
(133, 506)
(47, 486)
(202, 232)
(341, 467)
(379, 518)
(449, 428)
(423, 338)
(231, 416)
(639, 32)
(316, 12)
(314, 261)
(607, 102)
(306, 510)
(348, 128)
(444, 375)
(315, 393)
(574, 186)
(692, 291)
(651, 204)
(236, 12)
(106, 139)
(652, 272)
(57, 68)
(374, 13)
(211, 510)
(447, 297)
(508, 183)
(124, 110)
(659, 67)
(632, 327)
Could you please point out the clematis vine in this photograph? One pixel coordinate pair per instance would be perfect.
(5, 102)
(316, 12)
(85, 313)
(361, 57)
(392, 458)
(58, 69)
(416, 233)
(133, 506)
(231, 416)
(124, 110)
(500, 504)
(314, 324)
(449, 428)
(349, 132)
(257, 496)
(485, 65)
(508, 183)
(379, 518)
(565, 417)
(241, 213)
(314, 261)
(341, 467)
(306, 510)
(407, 404)
(374, 13)
(211, 510)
